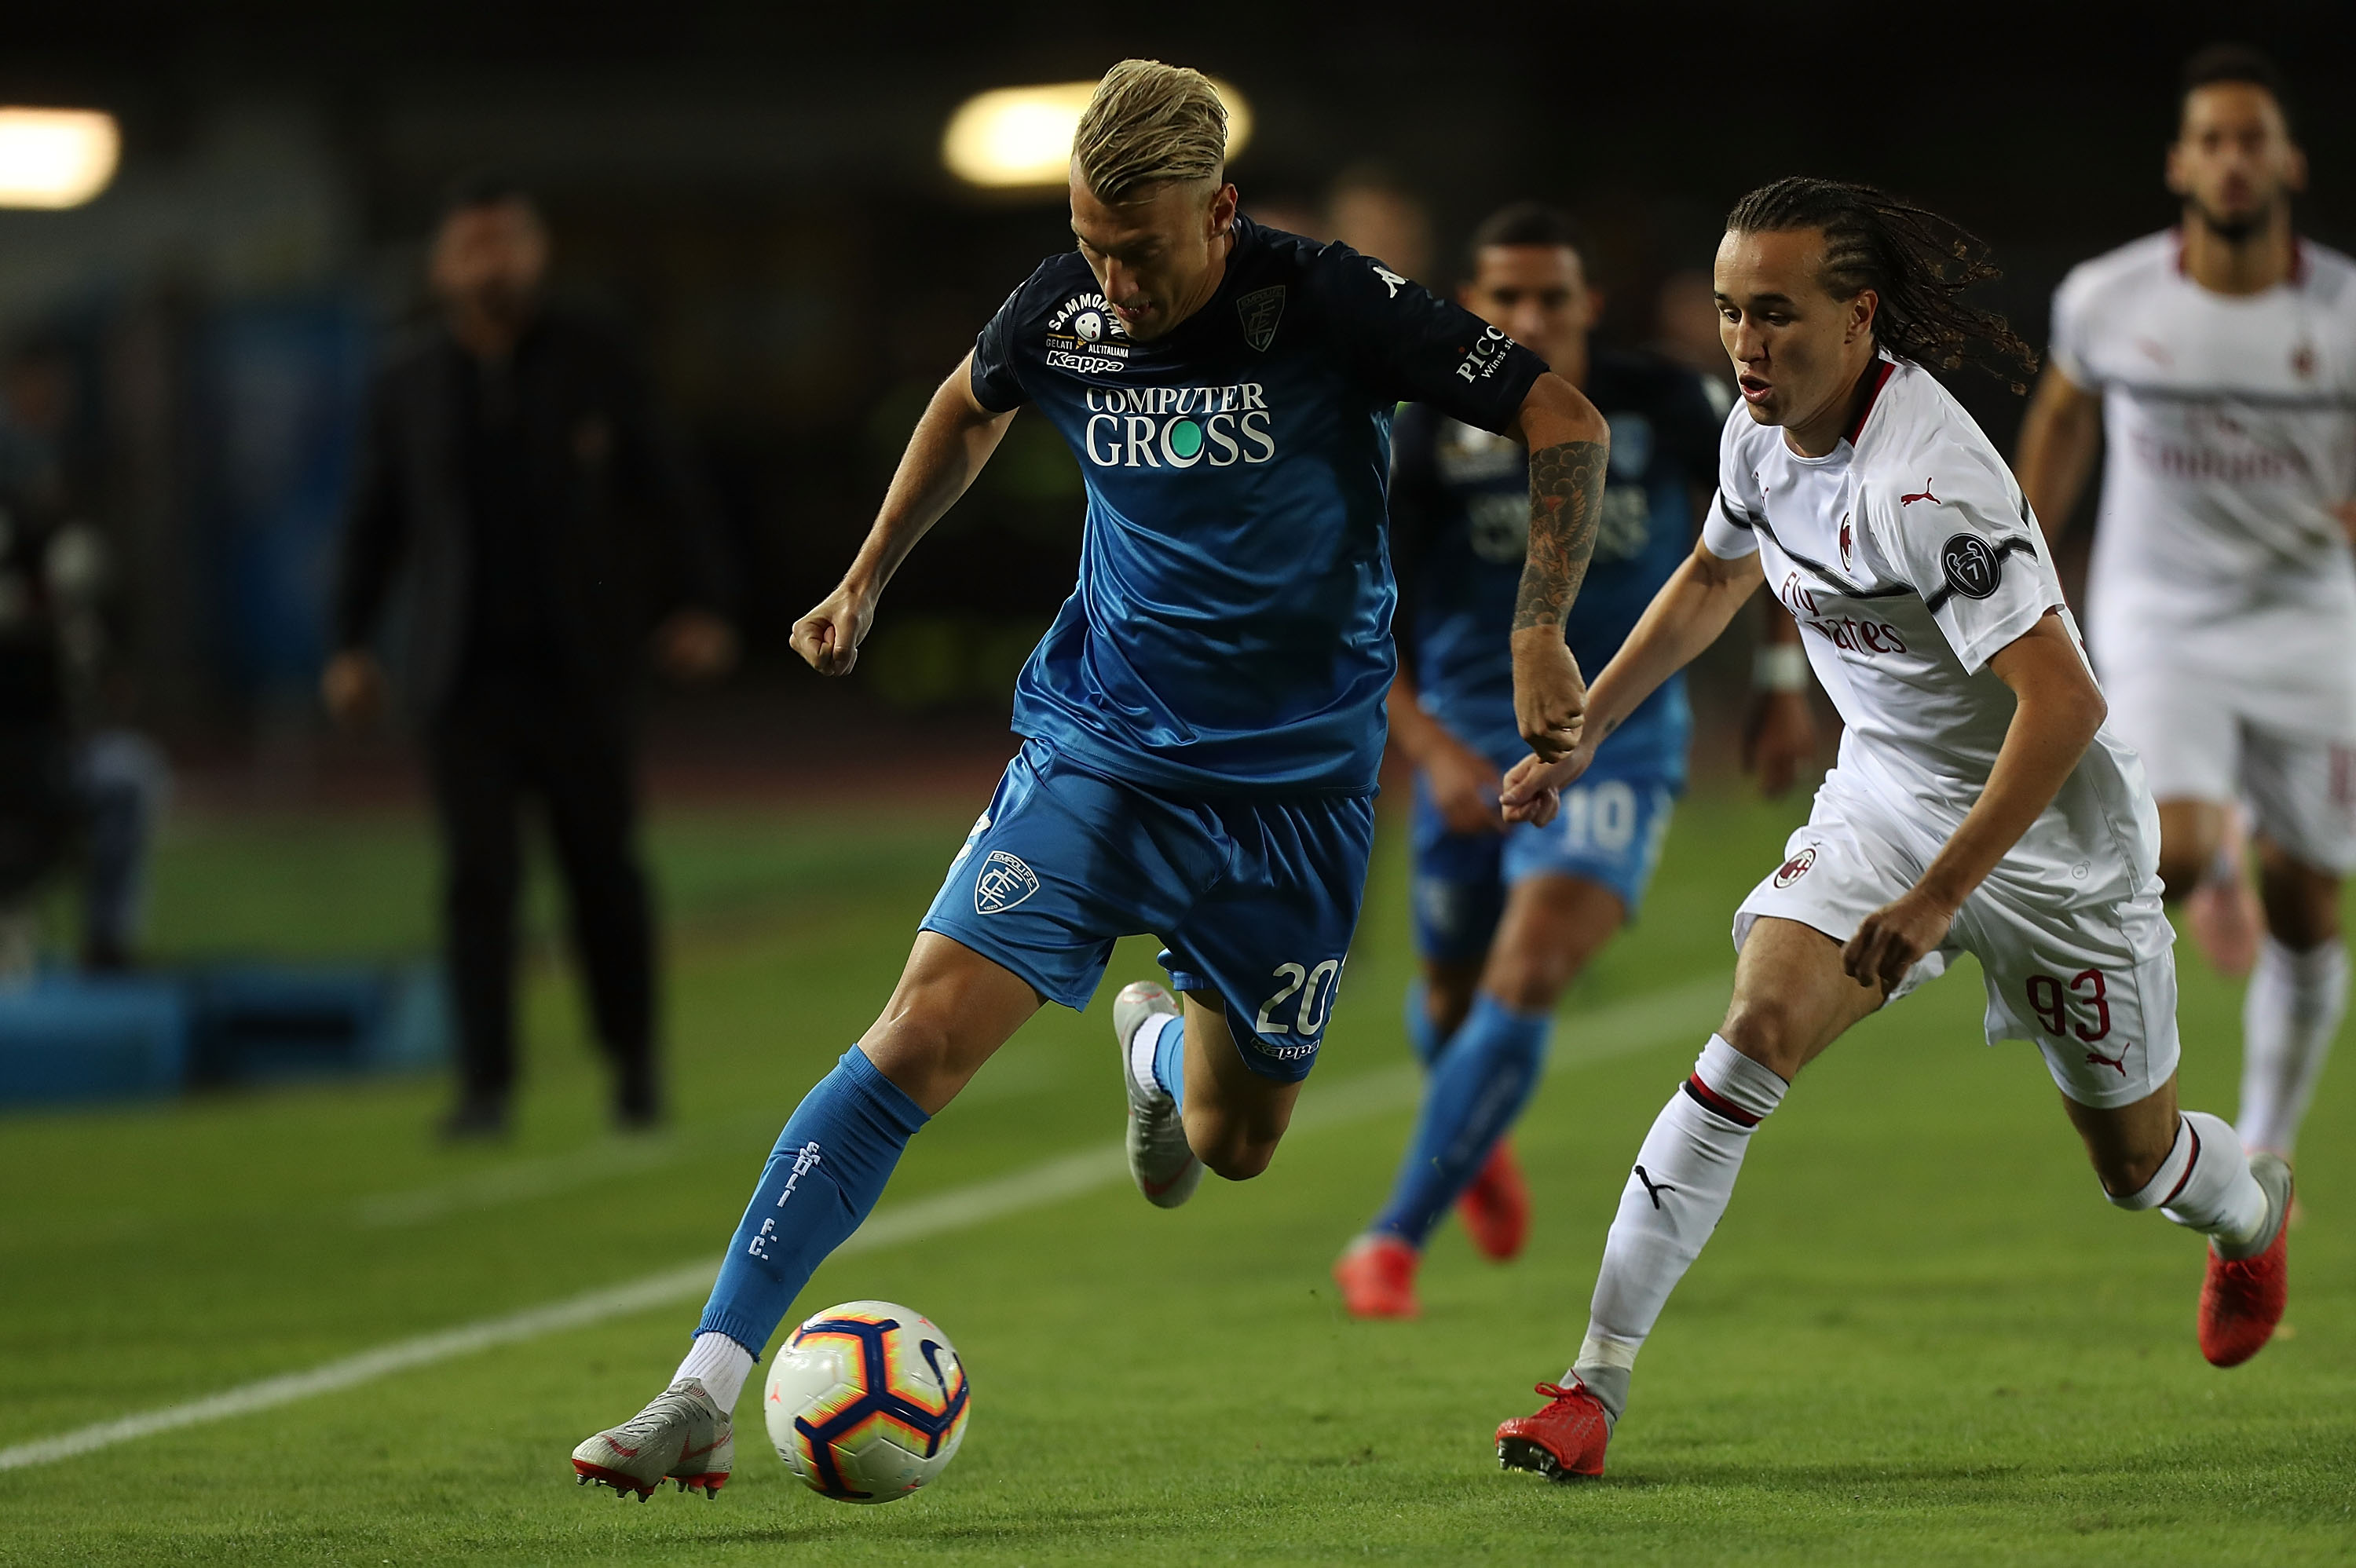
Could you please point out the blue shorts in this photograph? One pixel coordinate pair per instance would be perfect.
(1255, 897)
(1609, 832)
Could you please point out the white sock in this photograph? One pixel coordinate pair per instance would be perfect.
(1683, 1177)
(722, 1363)
(1143, 1041)
(2205, 1185)
(2289, 1015)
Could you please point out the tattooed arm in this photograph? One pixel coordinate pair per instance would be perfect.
(1568, 443)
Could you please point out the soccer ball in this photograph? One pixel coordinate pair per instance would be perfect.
(867, 1402)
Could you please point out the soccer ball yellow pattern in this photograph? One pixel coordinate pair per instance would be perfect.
(867, 1402)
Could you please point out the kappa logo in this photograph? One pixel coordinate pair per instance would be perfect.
(1005, 882)
(1973, 569)
(1261, 309)
(1793, 869)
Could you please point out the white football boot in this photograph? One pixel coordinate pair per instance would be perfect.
(1163, 1167)
(682, 1435)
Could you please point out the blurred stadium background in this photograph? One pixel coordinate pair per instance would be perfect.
(757, 197)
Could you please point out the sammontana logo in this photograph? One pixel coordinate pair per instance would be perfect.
(1178, 427)
(1083, 334)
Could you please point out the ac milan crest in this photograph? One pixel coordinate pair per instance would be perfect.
(1847, 544)
(1796, 867)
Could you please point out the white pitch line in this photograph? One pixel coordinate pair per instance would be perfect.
(1638, 1024)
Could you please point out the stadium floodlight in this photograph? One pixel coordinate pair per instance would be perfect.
(1016, 136)
(56, 157)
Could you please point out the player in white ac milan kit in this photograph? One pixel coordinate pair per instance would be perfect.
(2217, 362)
(1980, 804)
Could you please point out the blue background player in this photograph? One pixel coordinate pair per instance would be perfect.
(1204, 721)
(1505, 917)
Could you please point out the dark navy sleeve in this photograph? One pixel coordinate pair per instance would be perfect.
(1407, 344)
(1692, 426)
(996, 385)
(1413, 500)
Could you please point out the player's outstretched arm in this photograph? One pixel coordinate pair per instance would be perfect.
(1693, 607)
(2060, 710)
(952, 441)
(2060, 435)
(1569, 445)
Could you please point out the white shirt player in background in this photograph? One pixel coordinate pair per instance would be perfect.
(1980, 804)
(2217, 362)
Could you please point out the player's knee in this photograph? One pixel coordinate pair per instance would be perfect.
(1530, 982)
(2302, 902)
(1231, 1147)
(1769, 1030)
(1239, 1161)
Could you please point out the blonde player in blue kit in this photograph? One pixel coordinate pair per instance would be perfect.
(1204, 720)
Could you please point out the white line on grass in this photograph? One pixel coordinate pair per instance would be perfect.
(1638, 1024)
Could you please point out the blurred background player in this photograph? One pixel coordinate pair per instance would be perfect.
(1368, 209)
(2219, 358)
(75, 779)
(1203, 723)
(1506, 917)
(514, 467)
(1978, 805)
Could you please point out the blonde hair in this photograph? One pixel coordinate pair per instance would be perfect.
(1149, 125)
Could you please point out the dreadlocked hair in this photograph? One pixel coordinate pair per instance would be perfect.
(1918, 262)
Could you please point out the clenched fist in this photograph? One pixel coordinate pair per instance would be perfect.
(829, 636)
(1550, 695)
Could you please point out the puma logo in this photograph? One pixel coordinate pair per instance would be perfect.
(1653, 1189)
(2117, 1065)
(1922, 494)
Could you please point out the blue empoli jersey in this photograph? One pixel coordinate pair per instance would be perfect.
(1231, 627)
(1460, 506)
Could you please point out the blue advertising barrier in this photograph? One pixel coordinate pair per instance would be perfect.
(67, 1038)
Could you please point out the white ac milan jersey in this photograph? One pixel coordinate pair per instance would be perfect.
(1908, 557)
(2230, 422)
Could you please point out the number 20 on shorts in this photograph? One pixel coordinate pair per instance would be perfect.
(1314, 986)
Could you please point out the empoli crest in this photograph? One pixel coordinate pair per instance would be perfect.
(1261, 309)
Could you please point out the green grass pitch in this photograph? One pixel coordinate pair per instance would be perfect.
(1921, 1335)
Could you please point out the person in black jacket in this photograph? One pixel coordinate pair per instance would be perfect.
(513, 468)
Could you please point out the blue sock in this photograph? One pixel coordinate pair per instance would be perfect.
(1169, 1060)
(1422, 1035)
(1480, 1085)
(826, 1173)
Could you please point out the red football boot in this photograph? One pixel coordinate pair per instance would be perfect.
(2242, 1299)
(1564, 1440)
(1377, 1277)
(1496, 1207)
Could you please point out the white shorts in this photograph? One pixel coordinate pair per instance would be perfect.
(2090, 979)
(2197, 744)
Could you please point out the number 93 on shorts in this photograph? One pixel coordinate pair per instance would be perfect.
(2090, 977)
